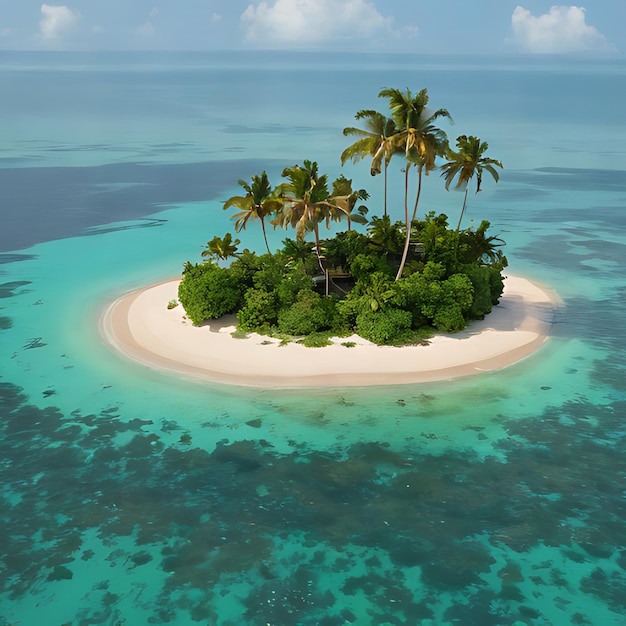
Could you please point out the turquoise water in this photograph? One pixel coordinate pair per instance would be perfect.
(132, 497)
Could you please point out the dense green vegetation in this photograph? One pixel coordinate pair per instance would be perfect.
(390, 282)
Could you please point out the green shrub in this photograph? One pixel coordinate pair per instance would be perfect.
(270, 275)
(239, 334)
(417, 337)
(439, 242)
(363, 265)
(259, 311)
(308, 314)
(316, 340)
(383, 326)
(431, 298)
(459, 289)
(278, 275)
(372, 292)
(449, 318)
(349, 308)
(333, 321)
(433, 271)
(243, 268)
(496, 282)
(480, 277)
(208, 291)
(409, 296)
(341, 250)
(447, 302)
(294, 280)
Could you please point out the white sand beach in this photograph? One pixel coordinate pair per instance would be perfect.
(140, 326)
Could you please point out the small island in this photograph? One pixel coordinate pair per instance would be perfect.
(380, 302)
(142, 328)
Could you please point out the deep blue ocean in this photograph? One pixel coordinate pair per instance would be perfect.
(133, 497)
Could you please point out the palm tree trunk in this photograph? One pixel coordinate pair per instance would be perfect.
(318, 253)
(407, 238)
(385, 190)
(265, 236)
(419, 192)
(458, 226)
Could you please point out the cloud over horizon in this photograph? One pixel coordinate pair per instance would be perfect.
(298, 23)
(563, 29)
(56, 21)
(376, 26)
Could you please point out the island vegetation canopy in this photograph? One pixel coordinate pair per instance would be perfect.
(389, 282)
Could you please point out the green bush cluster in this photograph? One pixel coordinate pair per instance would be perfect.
(310, 313)
(259, 310)
(393, 283)
(383, 326)
(208, 291)
(449, 279)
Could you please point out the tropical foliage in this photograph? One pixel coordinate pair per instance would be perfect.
(258, 203)
(421, 141)
(221, 248)
(377, 139)
(465, 163)
(390, 282)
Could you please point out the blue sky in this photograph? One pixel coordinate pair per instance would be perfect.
(455, 26)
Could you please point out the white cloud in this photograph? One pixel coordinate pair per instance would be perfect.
(147, 29)
(294, 23)
(411, 31)
(56, 21)
(215, 18)
(563, 29)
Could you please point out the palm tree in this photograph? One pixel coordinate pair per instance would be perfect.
(259, 202)
(376, 140)
(221, 248)
(346, 198)
(468, 161)
(296, 250)
(307, 202)
(421, 141)
(385, 237)
(478, 248)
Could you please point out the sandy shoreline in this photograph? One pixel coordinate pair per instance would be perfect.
(140, 326)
